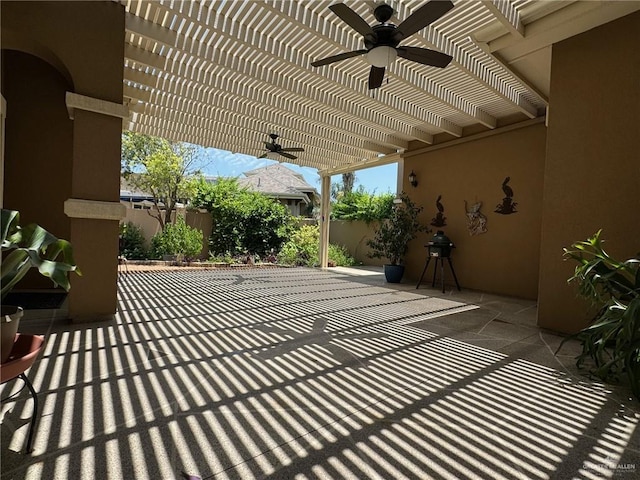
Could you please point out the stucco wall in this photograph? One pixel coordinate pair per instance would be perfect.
(141, 218)
(37, 180)
(592, 177)
(83, 40)
(150, 225)
(505, 259)
(354, 236)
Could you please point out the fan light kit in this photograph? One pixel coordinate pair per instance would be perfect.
(382, 41)
(382, 56)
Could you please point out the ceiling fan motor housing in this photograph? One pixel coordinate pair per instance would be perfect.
(383, 12)
(383, 35)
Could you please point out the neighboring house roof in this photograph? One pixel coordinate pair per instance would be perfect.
(129, 193)
(212, 178)
(275, 181)
(278, 181)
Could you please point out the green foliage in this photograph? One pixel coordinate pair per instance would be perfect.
(612, 341)
(364, 206)
(340, 189)
(166, 170)
(132, 242)
(392, 235)
(177, 239)
(33, 246)
(340, 257)
(243, 221)
(226, 258)
(302, 249)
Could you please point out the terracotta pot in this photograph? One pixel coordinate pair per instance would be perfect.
(8, 328)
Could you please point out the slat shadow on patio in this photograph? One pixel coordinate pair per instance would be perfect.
(304, 373)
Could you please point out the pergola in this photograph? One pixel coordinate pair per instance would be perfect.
(224, 74)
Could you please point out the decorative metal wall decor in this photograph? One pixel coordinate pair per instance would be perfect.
(439, 220)
(508, 205)
(476, 221)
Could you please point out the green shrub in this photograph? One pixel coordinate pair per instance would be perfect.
(339, 256)
(244, 222)
(223, 258)
(303, 249)
(612, 341)
(132, 242)
(177, 239)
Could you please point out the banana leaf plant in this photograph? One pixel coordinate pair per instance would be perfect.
(612, 340)
(33, 246)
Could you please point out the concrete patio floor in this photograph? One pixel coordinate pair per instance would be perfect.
(278, 373)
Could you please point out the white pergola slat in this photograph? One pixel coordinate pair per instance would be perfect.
(224, 74)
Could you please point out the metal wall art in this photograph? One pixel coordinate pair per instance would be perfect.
(439, 220)
(476, 221)
(508, 205)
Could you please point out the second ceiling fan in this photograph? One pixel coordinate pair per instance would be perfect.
(382, 41)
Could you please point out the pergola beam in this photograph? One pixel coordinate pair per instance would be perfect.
(226, 105)
(507, 14)
(472, 67)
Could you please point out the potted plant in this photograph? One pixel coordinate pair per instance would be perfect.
(392, 236)
(612, 340)
(22, 249)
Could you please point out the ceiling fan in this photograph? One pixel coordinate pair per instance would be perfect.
(273, 147)
(382, 41)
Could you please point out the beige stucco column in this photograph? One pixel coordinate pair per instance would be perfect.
(94, 220)
(592, 172)
(325, 216)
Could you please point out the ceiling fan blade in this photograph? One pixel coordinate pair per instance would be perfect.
(425, 56)
(337, 58)
(426, 14)
(376, 75)
(294, 149)
(287, 155)
(351, 18)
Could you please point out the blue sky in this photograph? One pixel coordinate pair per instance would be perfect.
(222, 163)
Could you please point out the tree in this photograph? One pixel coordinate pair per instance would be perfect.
(341, 189)
(166, 170)
(364, 206)
(348, 180)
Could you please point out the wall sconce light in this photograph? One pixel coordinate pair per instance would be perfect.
(413, 180)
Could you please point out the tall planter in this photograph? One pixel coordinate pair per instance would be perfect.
(393, 234)
(393, 273)
(8, 328)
